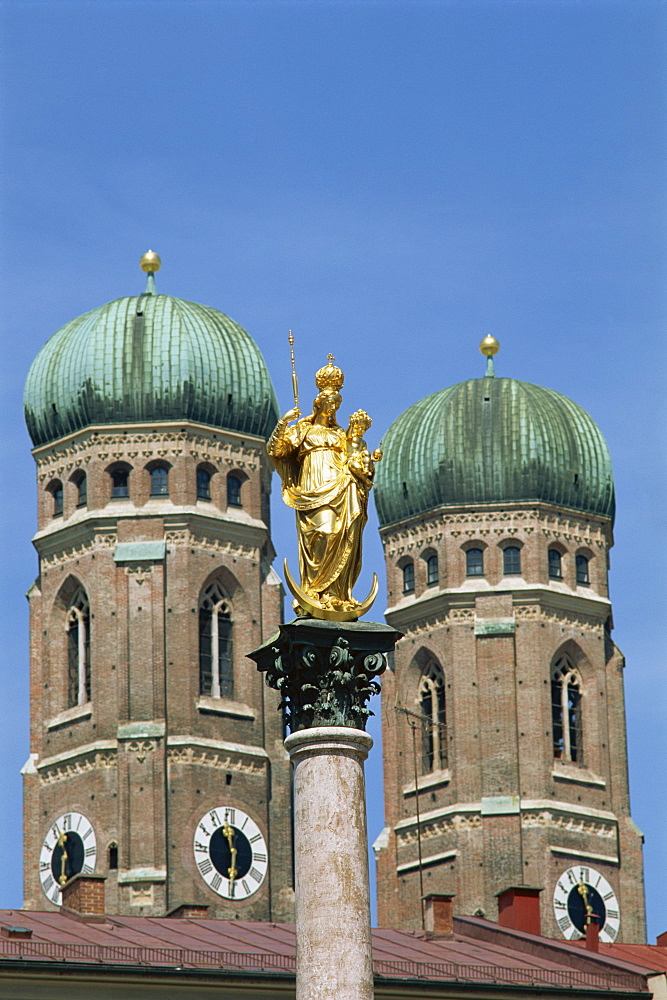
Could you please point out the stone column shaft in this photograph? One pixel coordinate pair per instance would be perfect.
(333, 927)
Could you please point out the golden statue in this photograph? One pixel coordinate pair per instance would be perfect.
(327, 474)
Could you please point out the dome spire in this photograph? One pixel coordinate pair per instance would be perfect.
(150, 263)
(489, 346)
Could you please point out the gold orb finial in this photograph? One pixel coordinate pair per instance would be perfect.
(150, 262)
(489, 346)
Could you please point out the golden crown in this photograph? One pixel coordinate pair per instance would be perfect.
(329, 377)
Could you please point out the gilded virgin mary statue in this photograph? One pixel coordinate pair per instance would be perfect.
(326, 473)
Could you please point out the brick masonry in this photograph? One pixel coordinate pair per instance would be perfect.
(146, 757)
(504, 811)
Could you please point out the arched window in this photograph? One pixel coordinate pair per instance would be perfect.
(233, 491)
(216, 674)
(566, 711)
(56, 491)
(434, 718)
(203, 484)
(159, 481)
(113, 856)
(583, 578)
(432, 575)
(409, 578)
(511, 560)
(78, 649)
(555, 565)
(120, 482)
(474, 562)
(80, 481)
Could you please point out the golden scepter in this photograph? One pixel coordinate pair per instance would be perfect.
(295, 381)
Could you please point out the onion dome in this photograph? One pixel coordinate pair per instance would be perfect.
(149, 358)
(493, 440)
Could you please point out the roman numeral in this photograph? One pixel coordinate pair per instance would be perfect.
(563, 888)
(215, 818)
(48, 884)
(609, 894)
(200, 847)
(559, 906)
(78, 822)
(598, 882)
(259, 858)
(90, 851)
(203, 829)
(87, 870)
(205, 866)
(253, 840)
(254, 873)
(67, 822)
(244, 823)
(230, 816)
(88, 833)
(584, 874)
(44, 866)
(245, 886)
(216, 882)
(55, 896)
(612, 914)
(564, 924)
(571, 877)
(232, 890)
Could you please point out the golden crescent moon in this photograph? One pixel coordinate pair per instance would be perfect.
(315, 609)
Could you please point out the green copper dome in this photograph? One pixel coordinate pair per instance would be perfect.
(148, 358)
(493, 440)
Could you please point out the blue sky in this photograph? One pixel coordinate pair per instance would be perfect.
(393, 180)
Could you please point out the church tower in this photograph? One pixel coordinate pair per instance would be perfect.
(503, 717)
(156, 749)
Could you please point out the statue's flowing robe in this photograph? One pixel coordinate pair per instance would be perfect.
(330, 505)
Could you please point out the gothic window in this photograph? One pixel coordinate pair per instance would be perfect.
(566, 711)
(409, 578)
(511, 560)
(582, 571)
(203, 484)
(159, 481)
(113, 856)
(216, 675)
(120, 482)
(434, 718)
(81, 484)
(432, 575)
(474, 562)
(56, 491)
(78, 649)
(233, 491)
(555, 565)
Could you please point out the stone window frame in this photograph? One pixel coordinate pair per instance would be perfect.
(210, 471)
(474, 545)
(567, 697)
(408, 575)
(113, 470)
(240, 477)
(55, 488)
(511, 543)
(79, 479)
(214, 604)
(432, 567)
(432, 705)
(583, 553)
(77, 626)
(158, 465)
(562, 552)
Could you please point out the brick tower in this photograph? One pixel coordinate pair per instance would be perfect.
(156, 750)
(503, 718)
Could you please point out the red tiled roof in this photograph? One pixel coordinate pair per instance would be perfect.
(479, 952)
(646, 956)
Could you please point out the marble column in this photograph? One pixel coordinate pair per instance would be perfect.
(333, 927)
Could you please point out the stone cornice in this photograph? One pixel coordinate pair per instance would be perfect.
(530, 603)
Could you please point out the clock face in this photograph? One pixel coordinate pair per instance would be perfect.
(69, 847)
(230, 852)
(583, 892)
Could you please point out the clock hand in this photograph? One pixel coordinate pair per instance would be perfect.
(228, 833)
(584, 892)
(62, 843)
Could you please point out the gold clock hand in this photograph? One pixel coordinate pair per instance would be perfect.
(228, 834)
(62, 842)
